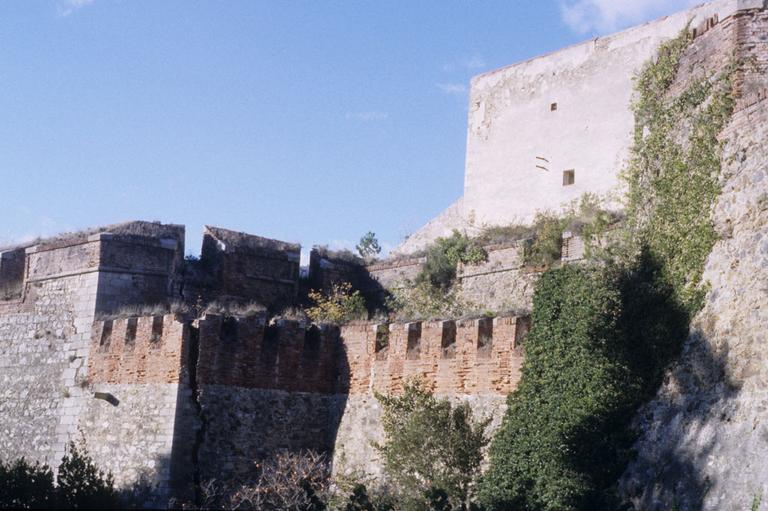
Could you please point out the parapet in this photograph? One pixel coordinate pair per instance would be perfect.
(473, 356)
(327, 267)
(138, 350)
(287, 355)
(244, 267)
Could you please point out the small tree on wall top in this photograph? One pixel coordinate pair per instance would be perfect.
(369, 247)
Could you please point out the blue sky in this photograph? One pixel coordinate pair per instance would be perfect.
(307, 121)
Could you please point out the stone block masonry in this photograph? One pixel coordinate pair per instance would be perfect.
(239, 389)
(172, 400)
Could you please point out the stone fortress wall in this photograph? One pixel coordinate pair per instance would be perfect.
(166, 399)
(174, 399)
(568, 111)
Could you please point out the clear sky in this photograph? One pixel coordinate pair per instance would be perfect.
(307, 121)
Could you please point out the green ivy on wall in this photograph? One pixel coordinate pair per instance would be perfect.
(673, 175)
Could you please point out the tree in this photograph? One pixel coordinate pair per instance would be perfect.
(81, 485)
(368, 248)
(26, 486)
(431, 447)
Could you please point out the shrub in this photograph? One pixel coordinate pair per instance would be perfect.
(421, 301)
(289, 481)
(444, 255)
(340, 305)
(430, 446)
(80, 485)
(26, 486)
(546, 247)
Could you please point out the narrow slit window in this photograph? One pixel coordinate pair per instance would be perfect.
(106, 333)
(484, 337)
(569, 177)
(382, 342)
(414, 341)
(157, 330)
(448, 341)
(130, 332)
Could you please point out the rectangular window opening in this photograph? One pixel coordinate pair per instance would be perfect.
(569, 177)
(484, 337)
(130, 332)
(553, 107)
(382, 342)
(106, 333)
(448, 340)
(414, 341)
(157, 330)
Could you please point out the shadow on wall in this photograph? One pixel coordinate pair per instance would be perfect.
(679, 432)
(253, 390)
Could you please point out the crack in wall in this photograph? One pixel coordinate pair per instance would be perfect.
(194, 359)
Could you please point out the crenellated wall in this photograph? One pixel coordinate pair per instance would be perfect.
(177, 398)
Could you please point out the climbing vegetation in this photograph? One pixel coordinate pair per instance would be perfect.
(673, 175)
(604, 332)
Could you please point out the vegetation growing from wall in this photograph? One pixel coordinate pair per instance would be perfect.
(340, 305)
(443, 257)
(433, 450)
(434, 293)
(673, 176)
(421, 302)
(368, 247)
(585, 217)
(592, 357)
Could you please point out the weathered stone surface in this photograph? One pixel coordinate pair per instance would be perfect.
(704, 439)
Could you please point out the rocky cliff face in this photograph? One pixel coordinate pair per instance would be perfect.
(704, 442)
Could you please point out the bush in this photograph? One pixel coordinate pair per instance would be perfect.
(421, 301)
(26, 486)
(431, 446)
(591, 360)
(546, 247)
(444, 255)
(340, 305)
(290, 481)
(79, 484)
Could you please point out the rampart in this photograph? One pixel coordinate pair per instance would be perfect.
(175, 399)
(179, 399)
